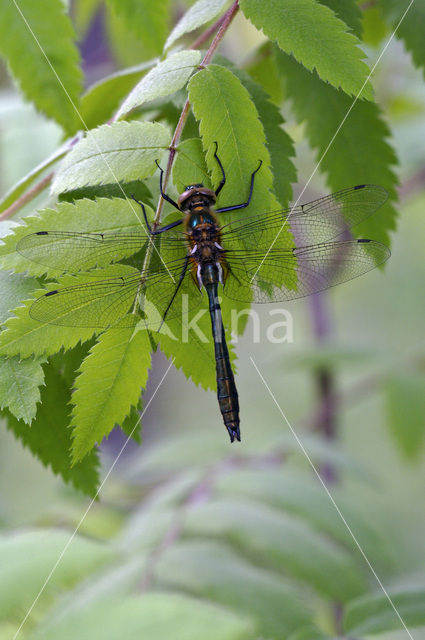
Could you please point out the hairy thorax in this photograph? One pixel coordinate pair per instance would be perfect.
(203, 234)
(206, 253)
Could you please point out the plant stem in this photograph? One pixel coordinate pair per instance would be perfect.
(44, 182)
(224, 23)
(27, 197)
(208, 33)
(325, 419)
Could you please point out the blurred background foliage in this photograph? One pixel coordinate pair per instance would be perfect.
(192, 538)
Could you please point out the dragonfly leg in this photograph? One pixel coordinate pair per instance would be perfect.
(164, 195)
(223, 179)
(251, 189)
(154, 232)
(181, 277)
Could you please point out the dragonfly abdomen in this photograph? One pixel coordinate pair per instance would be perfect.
(227, 394)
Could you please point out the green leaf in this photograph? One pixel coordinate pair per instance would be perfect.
(405, 408)
(27, 37)
(309, 632)
(126, 48)
(23, 184)
(213, 571)
(84, 215)
(132, 425)
(188, 338)
(101, 100)
(19, 386)
(114, 190)
(322, 44)
(166, 78)
(123, 151)
(349, 12)
(151, 615)
(189, 166)
(411, 27)
(358, 154)
(331, 356)
(374, 613)
(374, 26)
(23, 335)
(148, 20)
(26, 559)
(227, 115)
(27, 337)
(49, 436)
(198, 14)
(275, 541)
(263, 70)
(193, 351)
(110, 382)
(196, 449)
(278, 142)
(302, 496)
(13, 289)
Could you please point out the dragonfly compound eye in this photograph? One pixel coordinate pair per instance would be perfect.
(194, 191)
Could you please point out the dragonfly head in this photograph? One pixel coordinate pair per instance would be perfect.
(196, 195)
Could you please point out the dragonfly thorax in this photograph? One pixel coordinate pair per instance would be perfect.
(200, 220)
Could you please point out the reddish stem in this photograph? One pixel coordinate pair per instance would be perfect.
(26, 197)
(326, 414)
(224, 23)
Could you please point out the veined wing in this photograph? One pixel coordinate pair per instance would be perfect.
(288, 274)
(311, 223)
(118, 299)
(74, 252)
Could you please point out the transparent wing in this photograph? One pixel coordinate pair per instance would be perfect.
(311, 223)
(285, 275)
(74, 252)
(118, 299)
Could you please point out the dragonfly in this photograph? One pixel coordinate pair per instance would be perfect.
(269, 257)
